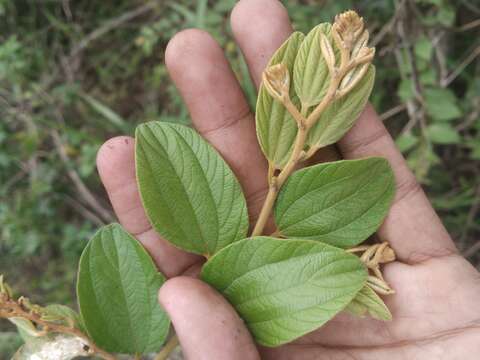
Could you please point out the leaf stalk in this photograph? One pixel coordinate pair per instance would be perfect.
(168, 348)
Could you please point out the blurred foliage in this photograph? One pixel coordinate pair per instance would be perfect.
(74, 73)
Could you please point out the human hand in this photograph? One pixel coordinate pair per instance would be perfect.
(436, 312)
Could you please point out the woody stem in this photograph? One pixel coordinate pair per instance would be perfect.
(304, 125)
(11, 309)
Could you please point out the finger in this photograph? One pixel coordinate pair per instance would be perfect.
(218, 108)
(259, 27)
(412, 226)
(116, 166)
(206, 324)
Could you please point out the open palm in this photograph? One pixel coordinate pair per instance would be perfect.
(436, 309)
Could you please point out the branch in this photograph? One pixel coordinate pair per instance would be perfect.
(85, 212)
(111, 25)
(470, 219)
(415, 107)
(459, 68)
(392, 112)
(9, 308)
(168, 348)
(82, 189)
(469, 26)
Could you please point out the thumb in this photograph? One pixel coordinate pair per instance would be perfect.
(206, 324)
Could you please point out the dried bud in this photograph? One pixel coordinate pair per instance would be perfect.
(360, 43)
(379, 286)
(3, 298)
(276, 80)
(348, 26)
(352, 79)
(361, 62)
(5, 289)
(351, 38)
(327, 52)
(365, 54)
(388, 255)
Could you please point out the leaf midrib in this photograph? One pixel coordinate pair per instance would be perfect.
(179, 179)
(210, 194)
(304, 309)
(305, 282)
(118, 280)
(160, 188)
(321, 248)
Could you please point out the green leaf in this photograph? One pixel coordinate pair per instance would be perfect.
(276, 129)
(106, 112)
(62, 314)
(443, 134)
(367, 301)
(406, 142)
(423, 48)
(10, 341)
(117, 292)
(340, 203)
(475, 149)
(442, 104)
(446, 15)
(428, 77)
(421, 159)
(25, 328)
(189, 193)
(310, 72)
(340, 116)
(434, 2)
(405, 90)
(284, 289)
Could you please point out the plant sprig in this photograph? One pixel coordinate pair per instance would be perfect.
(44, 321)
(351, 39)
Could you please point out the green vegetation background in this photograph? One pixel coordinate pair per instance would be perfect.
(74, 73)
